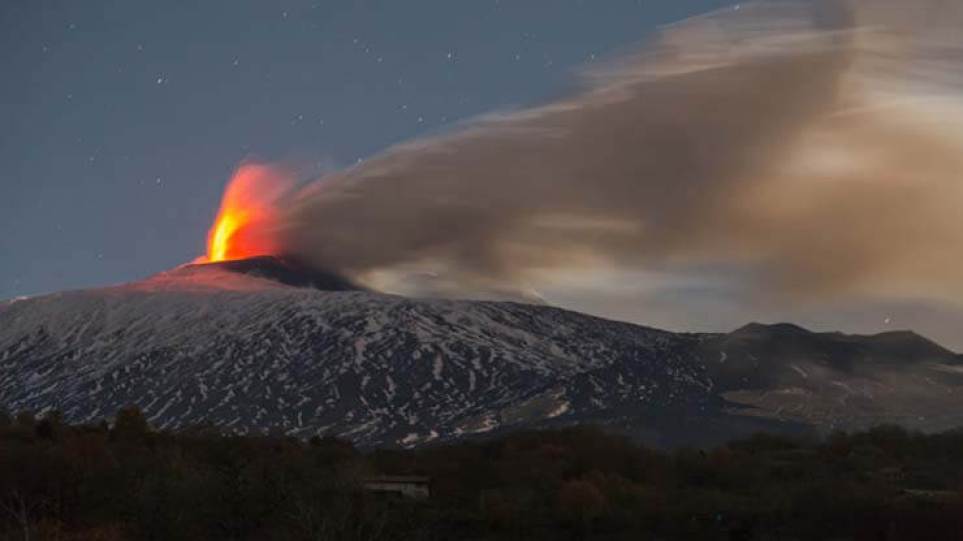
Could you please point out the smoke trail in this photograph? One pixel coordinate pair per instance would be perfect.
(817, 146)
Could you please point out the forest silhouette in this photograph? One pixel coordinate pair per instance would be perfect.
(124, 480)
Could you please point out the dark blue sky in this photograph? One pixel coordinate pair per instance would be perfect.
(123, 120)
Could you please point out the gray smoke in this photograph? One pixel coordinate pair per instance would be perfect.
(815, 146)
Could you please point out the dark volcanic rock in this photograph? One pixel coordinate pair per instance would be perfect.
(286, 271)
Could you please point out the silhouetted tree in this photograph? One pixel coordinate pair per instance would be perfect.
(130, 425)
(581, 501)
(25, 420)
(50, 426)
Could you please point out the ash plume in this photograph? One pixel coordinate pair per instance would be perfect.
(816, 146)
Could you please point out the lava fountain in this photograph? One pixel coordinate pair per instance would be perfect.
(246, 223)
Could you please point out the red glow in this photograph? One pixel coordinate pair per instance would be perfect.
(246, 222)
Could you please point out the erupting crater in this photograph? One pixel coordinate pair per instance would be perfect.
(247, 222)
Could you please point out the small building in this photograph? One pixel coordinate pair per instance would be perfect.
(933, 496)
(417, 487)
(892, 474)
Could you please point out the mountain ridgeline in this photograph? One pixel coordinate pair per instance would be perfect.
(267, 345)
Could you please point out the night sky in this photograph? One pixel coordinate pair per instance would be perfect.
(123, 120)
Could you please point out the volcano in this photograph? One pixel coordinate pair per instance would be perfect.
(286, 271)
(266, 344)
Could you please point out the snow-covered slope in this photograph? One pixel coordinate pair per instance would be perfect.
(206, 343)
(266, 345)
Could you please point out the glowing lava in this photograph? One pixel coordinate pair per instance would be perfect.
(222, 233)
(246, 224)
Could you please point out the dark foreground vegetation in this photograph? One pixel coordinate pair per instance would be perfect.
(126, 481)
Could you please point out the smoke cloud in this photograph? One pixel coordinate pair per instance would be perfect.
(815, 149)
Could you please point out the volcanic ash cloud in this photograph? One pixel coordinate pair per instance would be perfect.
(815, 148)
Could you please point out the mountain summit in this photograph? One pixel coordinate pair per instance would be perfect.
(258, 272)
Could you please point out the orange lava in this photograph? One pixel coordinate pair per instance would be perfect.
(246, 224)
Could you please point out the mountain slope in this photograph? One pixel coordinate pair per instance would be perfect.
(265, 344)
(835, 380)
(208, 343)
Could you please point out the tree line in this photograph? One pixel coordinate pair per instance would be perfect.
(124, 480)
